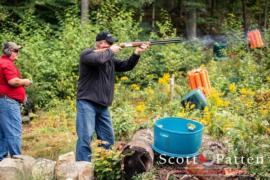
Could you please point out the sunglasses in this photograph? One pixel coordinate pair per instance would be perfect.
(15, 50)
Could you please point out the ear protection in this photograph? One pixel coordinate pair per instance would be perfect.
(7, 50)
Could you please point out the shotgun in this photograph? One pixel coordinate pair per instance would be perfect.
(139, 43)
(157, 42)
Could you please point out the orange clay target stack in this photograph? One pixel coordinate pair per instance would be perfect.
(255, 39)
(198, 79)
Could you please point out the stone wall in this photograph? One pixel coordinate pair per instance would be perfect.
(22, 167)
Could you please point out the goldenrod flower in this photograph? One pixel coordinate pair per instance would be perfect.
(140, 107)
(165, 79)
(268, 131)
(124, 78)
(263, 112)
(190, 106)
(232, 87)
(227, 124)
(247, 92)
(243, 91)
(149, 91)
(181, 114)
(135, 87)
(206, 116)
(218, 102)
(268, 79)
(249, 103)
(268, 104)
(226, 103)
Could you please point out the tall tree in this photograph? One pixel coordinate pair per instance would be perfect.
(84, 11)
(244, 14)
(191, 19)
(191, 24)
(265, 24)
(153, 14)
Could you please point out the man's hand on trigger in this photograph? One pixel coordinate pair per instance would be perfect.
(139, 50)
(115, 48)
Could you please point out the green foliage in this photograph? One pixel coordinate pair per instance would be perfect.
(106, 163)
(165, 27)
(238, 105)
(150, 175)
(245, 144)
(49, 58)
(118, 21)
(123, 117)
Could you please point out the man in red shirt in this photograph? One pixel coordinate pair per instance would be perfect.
(12, 93)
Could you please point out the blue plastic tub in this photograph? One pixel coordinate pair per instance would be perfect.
(174, 137)
(195, 97)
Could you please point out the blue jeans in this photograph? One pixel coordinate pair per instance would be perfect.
(92, 117)
(10, 127)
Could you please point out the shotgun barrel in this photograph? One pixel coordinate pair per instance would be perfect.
(156, 42)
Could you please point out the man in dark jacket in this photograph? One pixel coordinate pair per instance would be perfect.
(95, 92)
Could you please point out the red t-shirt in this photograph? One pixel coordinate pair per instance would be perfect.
(8, 71)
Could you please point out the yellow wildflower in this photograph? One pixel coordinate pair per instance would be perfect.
(165, 79)
(251, 93)
(124, 78)
(227, 125)
(189, 106)
(226, 103)
(263, 112)
(218, 102)
(204, 121)
(135, 87)
(206, 116)
(247, 92)
(268, 131)
(206, 110)
(268, 104)
(232, 87)
(181, 114)
(149, 91)
(140, 107)
(243, 91)
(268, 79)
(249, 103)
(73, 106)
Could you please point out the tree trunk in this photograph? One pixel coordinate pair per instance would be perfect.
(265, 24)
(153, 15)
(212, 7)
(139, 156)
(191, 25)
(244, 11)
(180, 5)
(84, 11)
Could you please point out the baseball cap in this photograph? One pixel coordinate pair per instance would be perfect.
(106, 36)
(12, 45)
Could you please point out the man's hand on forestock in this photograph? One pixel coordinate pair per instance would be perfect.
(139, 50)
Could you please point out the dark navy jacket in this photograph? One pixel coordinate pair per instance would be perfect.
(96, 70)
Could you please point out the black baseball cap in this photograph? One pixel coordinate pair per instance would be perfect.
(106, 36)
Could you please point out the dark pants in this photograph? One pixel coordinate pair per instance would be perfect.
(10, 127)
(92, 117)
